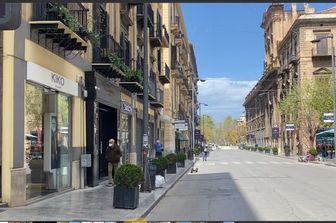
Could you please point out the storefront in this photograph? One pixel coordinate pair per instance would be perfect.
(126, 111)
(48, 99)
(102, 121)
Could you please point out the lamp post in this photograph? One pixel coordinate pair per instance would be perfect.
(146, 185)
(331, 36)
(193, 112)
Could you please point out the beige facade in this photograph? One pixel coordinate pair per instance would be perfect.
(294, 59)
(104, 77)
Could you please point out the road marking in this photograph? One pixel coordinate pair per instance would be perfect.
(248, 162)
(287, 163)
(261, 162)
(211, 164)
(224, 163)
(237, 162)
(275, 162)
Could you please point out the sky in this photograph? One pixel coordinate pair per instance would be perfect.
(229, 50)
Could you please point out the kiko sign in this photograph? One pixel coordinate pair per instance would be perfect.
(51, 79)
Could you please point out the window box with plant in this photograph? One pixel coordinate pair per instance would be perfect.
(172, 159)
(181, 157)
(126, 192)
(161, 165)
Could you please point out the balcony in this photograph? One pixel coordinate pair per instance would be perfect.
(101, 58)
(125, 14)
(321, 52)
(175, 24)
(155, 34)
(165, 74)
(50, 28)
(158, 103)
(152, 86)
(140, 15)
(134, 82)
(165, 38)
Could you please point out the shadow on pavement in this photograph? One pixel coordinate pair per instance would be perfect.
(204, 197)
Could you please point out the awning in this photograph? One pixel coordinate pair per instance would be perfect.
(179, 136)
(327, 133)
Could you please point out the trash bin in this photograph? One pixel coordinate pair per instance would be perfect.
(152, 172)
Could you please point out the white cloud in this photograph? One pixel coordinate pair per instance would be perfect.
(223, 96)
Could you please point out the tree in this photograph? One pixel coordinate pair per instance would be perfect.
(209, 127)
(305, 105)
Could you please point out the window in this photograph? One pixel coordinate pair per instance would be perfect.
(322, 45)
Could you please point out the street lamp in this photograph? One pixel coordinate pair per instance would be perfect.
(200, 104)
(193, 112)
(331, 36)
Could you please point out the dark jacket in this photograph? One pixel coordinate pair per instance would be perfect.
(113, 154)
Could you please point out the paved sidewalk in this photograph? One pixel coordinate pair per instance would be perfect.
(327, 162)
(92, 204)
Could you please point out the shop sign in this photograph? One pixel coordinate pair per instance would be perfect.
(275, 132)
(126, 107)
(86, 160)
(328, 117)
(181, 126)
(290, 127)
(51, 79)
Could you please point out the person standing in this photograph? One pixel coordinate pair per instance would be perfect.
(205, 153)
(113, 154)
(158, 148)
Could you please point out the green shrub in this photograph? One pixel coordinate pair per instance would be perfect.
(197, 151)
(267, 149)
(275, 150)
(313, 151)
(129, 175)
(261, 149)
(181, 157)
(161, 163)
(172, 158)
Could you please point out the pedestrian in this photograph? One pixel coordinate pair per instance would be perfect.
(205, 153)
(158, 148)
(113, 155)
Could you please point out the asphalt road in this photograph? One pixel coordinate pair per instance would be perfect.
(243, 185)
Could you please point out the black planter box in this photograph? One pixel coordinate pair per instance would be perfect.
(181, 163)
(126, 198)
(160, 172)
(171, 169)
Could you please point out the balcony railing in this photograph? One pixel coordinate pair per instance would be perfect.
(49, 12)
(165, 74)
(139, 62)
(175, 24)
(165, 39)
(321, 52)
(125, 14)
(152, 85)
(174, 61)
(108, 46)
(159, 97)
(155, 33)
(140, 14)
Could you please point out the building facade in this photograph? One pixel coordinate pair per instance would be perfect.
(290, 58)
(72, 78)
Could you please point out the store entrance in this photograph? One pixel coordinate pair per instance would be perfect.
(108, 129)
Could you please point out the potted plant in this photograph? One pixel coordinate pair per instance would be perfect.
(287, 150)
(267, 150)
(172, 158)
(161, 165)
(126, 192)
(313, 152)
(190, 154)
(275, 150)
(181, 157)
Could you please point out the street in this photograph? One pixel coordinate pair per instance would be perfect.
(242, 185)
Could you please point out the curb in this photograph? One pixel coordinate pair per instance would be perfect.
(164, 193)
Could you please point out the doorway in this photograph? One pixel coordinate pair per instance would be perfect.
(108, 128)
